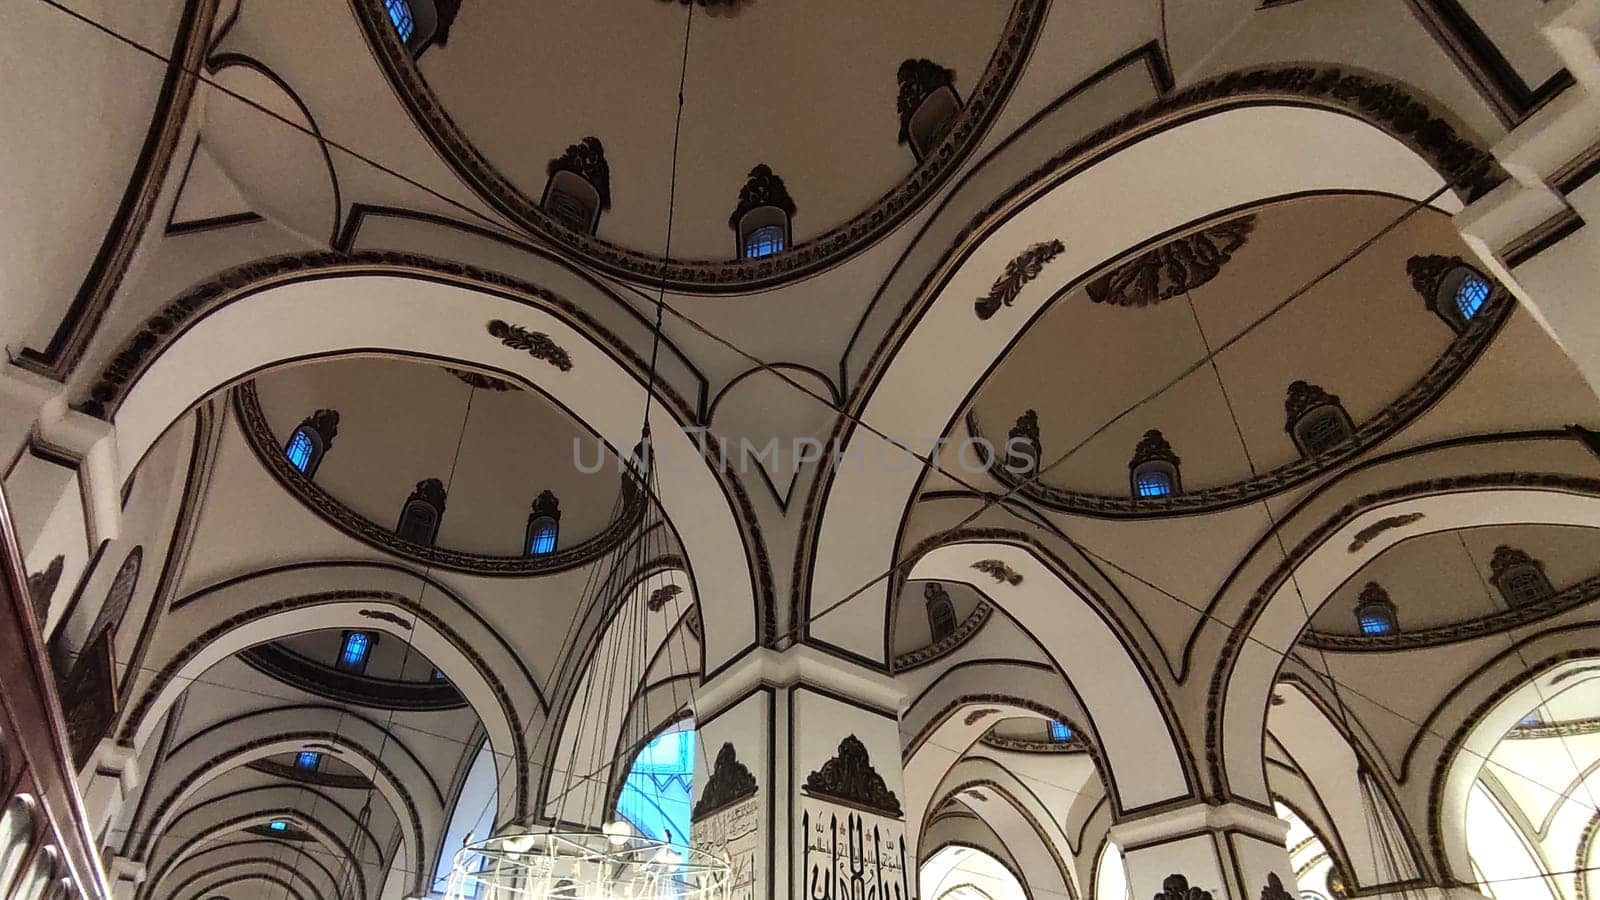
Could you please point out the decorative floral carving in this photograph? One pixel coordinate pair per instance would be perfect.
(325, 422)
(999, 571)
(1176, 887)
(1365, 535)
(661, 596)
(1428, 274)
(729, 783)
(1174, 267)
(587, 160)
(850, 778)
(42, 586)
(384, 615)
(918, 78)
(762, 188)
(545, 506)
(429, 491)
(1302, 398)
(480, 380)
(972, 717)
(1153, 446)
(536, 343)
(1274, 889)
(1019, 272)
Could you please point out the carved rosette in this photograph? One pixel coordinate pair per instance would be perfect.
(729, 783)
(1019, 272)
(1302, 398)
(918, 78)
(1152, 446)
(587, 160)
(537, 344)
(850, 778)
(1174, 267)
(762, 188)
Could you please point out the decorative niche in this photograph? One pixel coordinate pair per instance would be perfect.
(579, 186)
(1153, 471)
(1519, 577)
(422, 514)
(762, 220)
(1452, 290)
(1315, 419)
(928, 104)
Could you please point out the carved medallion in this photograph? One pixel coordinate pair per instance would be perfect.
(1174, 267)
(1019, 272)
(999, 571)
(850, 778)
(1365, 535)
(537, 344)
(729, 783)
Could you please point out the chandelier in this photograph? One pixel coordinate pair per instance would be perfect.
(613, 861)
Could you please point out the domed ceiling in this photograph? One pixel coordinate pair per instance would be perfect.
(400, 423)
(1446, 578)
(1362, 333)
(809, 91)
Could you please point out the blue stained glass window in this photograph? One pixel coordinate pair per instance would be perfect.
(1375, 621)
(439, 676)
(278, 825)
(763, 241)
(659, 792)
(1471, 295)
(300, 450)
(307, 759)
(1060, 732)
(1154, 484)
(400, 15)
(353, 656)
(544, 538)
(1531, 720)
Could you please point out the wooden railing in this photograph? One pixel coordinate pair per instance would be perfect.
(33, 731)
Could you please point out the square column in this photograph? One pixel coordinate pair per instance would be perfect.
(805, 783)
(1227, 852)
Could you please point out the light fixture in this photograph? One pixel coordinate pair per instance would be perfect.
(613, 861)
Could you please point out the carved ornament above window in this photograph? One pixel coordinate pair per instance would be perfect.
(850, 778)
(1174, 267)
(918, 78)
(587, 160)
(762, 188)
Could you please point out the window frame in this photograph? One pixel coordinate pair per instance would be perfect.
(344, 649)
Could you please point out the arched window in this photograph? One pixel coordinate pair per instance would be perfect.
(308, 760)
(1153, 471)
(659, 790)
(16, 841)
(544, 524)
(355, 650)
(311, 439)
(1453, 290)
(928, 104)
(941, 612)
(1519, 577)
(1060, 732)
(762, 218)
(579, 187)
(1023, 448)
(1375, 612)
(1316, 420)
(421, 23)
(420, 517)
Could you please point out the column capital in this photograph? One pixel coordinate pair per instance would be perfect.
(1199, 817)
(800, 664)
